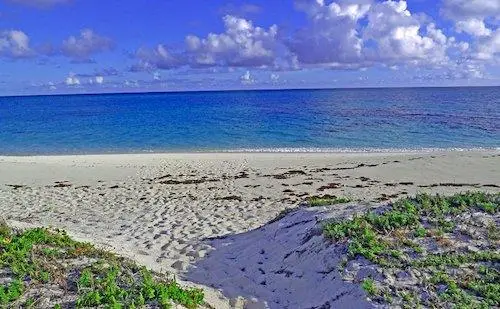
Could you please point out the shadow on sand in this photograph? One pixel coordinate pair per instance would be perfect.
(284, 264)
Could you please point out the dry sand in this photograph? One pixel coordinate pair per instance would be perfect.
(161, 209)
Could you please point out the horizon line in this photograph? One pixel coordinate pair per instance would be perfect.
(239, 90)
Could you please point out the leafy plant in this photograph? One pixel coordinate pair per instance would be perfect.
(369, 286)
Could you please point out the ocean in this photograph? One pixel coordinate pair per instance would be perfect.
(383, 119)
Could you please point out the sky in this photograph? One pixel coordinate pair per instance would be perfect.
(96, 46)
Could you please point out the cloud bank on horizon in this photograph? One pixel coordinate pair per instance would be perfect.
(239, 45)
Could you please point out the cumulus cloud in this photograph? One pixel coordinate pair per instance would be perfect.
(14, 44)
(399, 36)
(241, 45)
(247, 78)
(331, 35)
(473, 26)
(464, 9)
(338, 34)
(72, 80)
(88, 43)
(477, 18)
(157, 58)
(99, 79)
(488, 48)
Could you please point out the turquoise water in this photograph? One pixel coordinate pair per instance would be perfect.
(287, 120)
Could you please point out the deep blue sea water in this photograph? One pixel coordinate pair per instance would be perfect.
(340, 119)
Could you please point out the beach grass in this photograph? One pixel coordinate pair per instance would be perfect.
(326, 200)
(46, 268)
(433, 251)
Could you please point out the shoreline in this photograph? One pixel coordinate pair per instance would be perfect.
(284, 150)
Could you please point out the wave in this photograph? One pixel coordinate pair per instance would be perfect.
(352, 150)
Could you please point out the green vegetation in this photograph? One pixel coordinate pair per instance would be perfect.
(326, 200)
(369, 286)
(36, 257)
(447, 245)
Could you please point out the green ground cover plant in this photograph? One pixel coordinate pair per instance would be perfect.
(326, 200)
(430, 250)
(36, 261)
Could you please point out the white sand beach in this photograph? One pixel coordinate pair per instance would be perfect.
(161, 209)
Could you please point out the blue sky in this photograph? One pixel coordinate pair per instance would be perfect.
(92, 46)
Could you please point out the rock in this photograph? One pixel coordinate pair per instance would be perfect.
(369, 272)
(255, 304)
(179, 265)
(237, 302)
(197, 254)
(403, 275)
(473, 248)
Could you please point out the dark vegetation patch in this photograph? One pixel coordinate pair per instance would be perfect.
(321, 170)
(490, 185)
(188, 181)
(15, 187)
(163, 177)
(62, 184)
(230, 198)
(406, 183)
(251, 186)
(257, 199)
(332, 185)
(386, 197)
(287, 174)
(450, 184)
(241, 175)
(354, 167)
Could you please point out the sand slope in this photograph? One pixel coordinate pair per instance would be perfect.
(285, 264)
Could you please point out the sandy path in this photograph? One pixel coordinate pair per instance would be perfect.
(158, 208)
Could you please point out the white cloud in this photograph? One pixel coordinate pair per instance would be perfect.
(331, 35)
(99, 79)
(247, 78)
(400, 37)
(14, 44)
(488, 48)
(242, 44)
(72, 80)
(473, 26)
(274, 77)
(478, 18)
(339, 34)
(464, 9)
(87, 44)
(158, 58)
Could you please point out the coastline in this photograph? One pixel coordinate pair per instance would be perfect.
(160, 209)
(265, 150)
